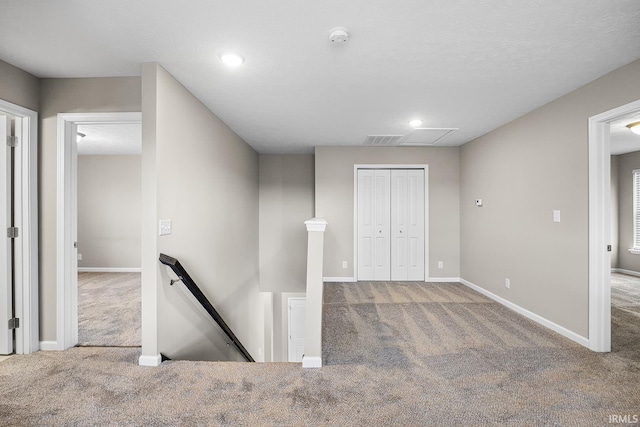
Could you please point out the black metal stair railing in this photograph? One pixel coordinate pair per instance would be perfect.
(184, 277)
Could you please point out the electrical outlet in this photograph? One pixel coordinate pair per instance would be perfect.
(440, 264)
(79, 257)
(344, 264)
(507, 283)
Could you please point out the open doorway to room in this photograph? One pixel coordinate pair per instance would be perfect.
(107, 238)
(625, 233)
(109, 234)
(604, 227)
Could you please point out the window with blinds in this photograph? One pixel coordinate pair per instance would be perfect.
(636, 209)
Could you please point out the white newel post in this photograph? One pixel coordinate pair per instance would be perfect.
(313, 308)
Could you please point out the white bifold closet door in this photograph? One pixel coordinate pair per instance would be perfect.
(374, 224)
(391, 224)
(407, 224)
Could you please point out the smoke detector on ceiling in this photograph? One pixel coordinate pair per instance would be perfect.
(339, 35)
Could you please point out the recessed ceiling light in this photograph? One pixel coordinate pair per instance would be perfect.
(232, 59)
(415, 123)
(634, 127)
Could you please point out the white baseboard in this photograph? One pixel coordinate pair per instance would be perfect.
(49, 346)
(338, 279)
(443, 279)
(627, 272)
(109, 270)
(153, 361)
(526, 313)
(311, 362)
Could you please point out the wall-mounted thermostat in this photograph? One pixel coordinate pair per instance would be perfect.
(478, 202)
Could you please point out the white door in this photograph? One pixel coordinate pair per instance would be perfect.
(391, 224)
(374, 224)
(296, 329)
(6, 292)
(407, 224)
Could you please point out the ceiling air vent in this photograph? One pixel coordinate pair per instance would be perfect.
(426, 136)
(383, 140)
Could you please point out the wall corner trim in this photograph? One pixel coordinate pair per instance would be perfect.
(311, 362)
(532, 316)
(50, 346)
(152, 361)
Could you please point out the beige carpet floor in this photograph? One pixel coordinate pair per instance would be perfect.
(109, 309)
(396, 355)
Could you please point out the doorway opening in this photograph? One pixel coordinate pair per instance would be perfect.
(18, 215)
(391, 222)
(600, 224)
(109, 234)
(97, 236)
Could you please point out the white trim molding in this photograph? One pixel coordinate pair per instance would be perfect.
(526, 313)
(316, 224)
(339, 279)
(109, 269)
(600, 225)
(627, 272)
(444, 280)
(152, 361)
(26, 219)
(311, 362)
(50, 346)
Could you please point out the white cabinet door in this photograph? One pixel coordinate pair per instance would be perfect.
(6, 293)
(374, 223)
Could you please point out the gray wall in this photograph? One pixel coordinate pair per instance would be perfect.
(334, 202)
(109, 220)
(286, 202)
(524, 170)
(614, 212)
(113, 94)
(207, 184)
(626, 164)
(19, 87)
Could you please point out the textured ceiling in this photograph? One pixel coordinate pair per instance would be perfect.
(110, 139)
(472, 65)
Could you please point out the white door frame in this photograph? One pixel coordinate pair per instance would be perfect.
(424, 167)
(66, 257)
(26, 216)
(600, 225)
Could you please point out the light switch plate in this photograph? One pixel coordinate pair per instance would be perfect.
(165, 227)
(556, 216)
